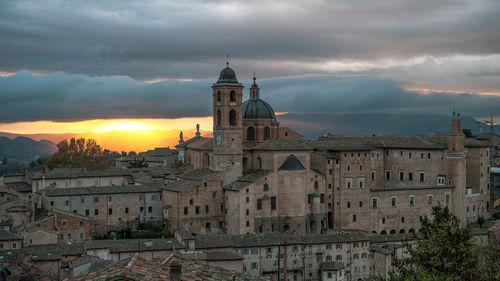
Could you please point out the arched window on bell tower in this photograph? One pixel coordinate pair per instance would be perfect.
(232, 96)
(267, 133)
(218, 96)
(219, 118)
(232, 118)
(250, 134)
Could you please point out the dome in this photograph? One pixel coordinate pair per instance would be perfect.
(227, 75)
(257, 109)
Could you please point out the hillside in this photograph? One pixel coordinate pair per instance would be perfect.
(24, 150)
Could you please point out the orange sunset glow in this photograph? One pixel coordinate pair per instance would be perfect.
(115, 134)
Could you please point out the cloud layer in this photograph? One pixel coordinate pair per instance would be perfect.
(66, 97)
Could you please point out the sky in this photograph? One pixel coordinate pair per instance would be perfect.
(153, 62)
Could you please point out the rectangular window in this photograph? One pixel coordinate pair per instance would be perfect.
(150, 209)
(273, 203)
(64, 222)
(348, 204)
(393, 201)
(110, 211)
(387, 175)
(348, 183)
(360, 183)
(322, 198)
(96, 182)
(126, 198)
(330, 171)
(79, 182)
(185, 211)
(87, 212)
(409, 155)
(61, 237)
(429, 155)
(309, 198)
(82, 200)
(69, 236)
(214, 195)
(51, 203)
(401, 176)
(110, 182)
(81, 236)
(410, 176)
(373, 175)
(429, 199)
(66, 203)
(441, 180)
(421, 177)
(259, 204)
(206, 209)
(126, 210)
(411, 200)
(118, 198)
(141, 210)
(66, 184)
(197, 210)
(110, 198)
(154, 197)
(141, 197)
(361, 167)
(361, 204)
(96, 199)
(374, 202)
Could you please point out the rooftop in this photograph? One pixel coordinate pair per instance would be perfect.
(54, 191)
(65, 173)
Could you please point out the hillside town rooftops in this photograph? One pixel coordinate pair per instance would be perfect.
(75, 191)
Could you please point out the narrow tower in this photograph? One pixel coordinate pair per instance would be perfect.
(228, 151)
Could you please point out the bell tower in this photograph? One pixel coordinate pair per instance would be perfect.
(228, 147)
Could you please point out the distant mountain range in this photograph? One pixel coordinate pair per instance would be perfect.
(24, 150)
(28, 147)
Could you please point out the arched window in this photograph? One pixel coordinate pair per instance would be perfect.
(402, 231)
(383, 232)
(232, 118)
(232, 96)
(411, 230)
(219, 118)
(316, 184)
(218, 96)
(393, 231)
(266, 187)
(267, 133)
(250, 134)
(353, 218)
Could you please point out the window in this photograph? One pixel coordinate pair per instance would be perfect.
(66, 203)
(141, 197)
(96, 182)
(421, 176)
(126, 198)
(373, 176)
(69, 236)
(141, 209)
(61, 237)
(409, 155)
(401, 176)
(338, 257)
(447, 200)
(150, 209)
(393, 201)
(348, 183)
(360, 183)
(410, 176)
(330, 171)
(267, 133)
(110, 198)
(421, 156)
(197, 210)
(266, 187)
(441, 180)
(96, 212)
(232, 96)
(250, 134)
(82, 200)
(387, 175)
(110, 211)
(247, 199)
(110, 182)
(248, 223)
(87, 212)
(322, 198)
(348, 204)
(309, 198)
(348, 167)
(259, 204)
(353, 218)
(154, 197)
(207, 209)
(429, 155)
(429, 199)
(126, 210)
(254, 266)
(361, 204)
(273, 203)
(361, 167)
(316, 185)
(64, 222)
(232, 118)
(51, 203)
(79, 183)
(214, 195)
(66, 184)
(374, 202)
(81, 236)
(411, 200)
(185, 211)
(96, 199)
(218, 96)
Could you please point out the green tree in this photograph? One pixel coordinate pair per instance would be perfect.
(444, 252)
(80, 153)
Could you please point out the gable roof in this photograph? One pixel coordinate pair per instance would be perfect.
(74, 215)
(291, 163)
(9, 236)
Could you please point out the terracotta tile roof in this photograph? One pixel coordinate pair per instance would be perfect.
(133, 245)
(64, 173)
(291, 163)
(54, 191)
(19, 186)
(189, 179)
(247, 180)
(9, 236)
(74, 215)
(144, 270)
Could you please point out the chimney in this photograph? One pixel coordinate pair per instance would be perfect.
(175, 271)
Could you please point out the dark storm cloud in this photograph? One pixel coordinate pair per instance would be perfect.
(185, 39)
(64, 97)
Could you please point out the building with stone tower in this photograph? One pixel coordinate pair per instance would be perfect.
(254, 176)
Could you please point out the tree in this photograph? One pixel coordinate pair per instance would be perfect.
(80, 153)
(138, 162)
(444, 251)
